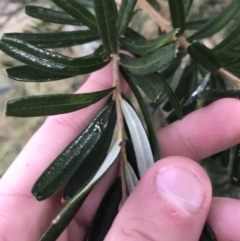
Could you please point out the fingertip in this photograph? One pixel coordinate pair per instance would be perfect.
(172, 198)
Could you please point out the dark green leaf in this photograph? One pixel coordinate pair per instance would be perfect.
(217, 82)
(50, 61)
(207, 234)
(67, 163)
(187, 84)
(218, 22)
(197, 24)
(155, 4)
(143, 47)
(44, 105)
(209, 96)
(55, 40)
(93, 162)
(78, 11)
(172, 80)
(139, 138)
(177, 12)
(228, 57)
(86, 3)
(52, 16)
(150, 63)
(230, 42)
(202, 86)
(168, 70)
(187, 6)
(151, 86)
(106, 213)
(151, 131)
(125, 15)
(70, 210)
(29, 74)
(220, 178)
(235, 173)
(106, 21)
(130, 33)
(171, 95)
(204, 56)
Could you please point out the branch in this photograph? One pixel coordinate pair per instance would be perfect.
(155, 16)
(120, 124)
(181, 41)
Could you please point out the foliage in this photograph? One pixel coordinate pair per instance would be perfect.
(155, 67)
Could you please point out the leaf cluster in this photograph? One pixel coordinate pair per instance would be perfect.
(175, 78)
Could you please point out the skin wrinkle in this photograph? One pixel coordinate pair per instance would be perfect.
(156, 229)
(184, 141)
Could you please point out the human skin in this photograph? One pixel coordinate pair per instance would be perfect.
(171, 202)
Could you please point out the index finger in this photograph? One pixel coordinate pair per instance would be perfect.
(204, 132)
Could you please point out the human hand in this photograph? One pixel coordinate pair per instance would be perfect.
(172, 200)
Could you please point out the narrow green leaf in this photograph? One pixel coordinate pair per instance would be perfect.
(86, 3)
(55, 40)
(197, 24)
(67, 163)
(235, 172)
(50, 61)
(177, 12)
(229, 57)
(92, 162)
(209, 96)
(230, 42)
(187, 6)
(29, 74)
(52, 16)
(125, 15)
(207, 234)
(130, 176)
(70, 210)
(139, 138)
(219, 22)
(201, 87)
(168, 70)
(204, 56)
(172, 81)
(171, 95)
(143, 47)
(150, 85)
(150, 128)
(130, 33)
(44, 105)
(150, 63)
(216, 82)
(187, 84)
(78, 11)
(106, 21)
(220, 178)
(155, 4)
(106, 213)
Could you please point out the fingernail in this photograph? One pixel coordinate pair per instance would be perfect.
(182, 187)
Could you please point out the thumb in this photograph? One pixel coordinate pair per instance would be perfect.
(170, 203)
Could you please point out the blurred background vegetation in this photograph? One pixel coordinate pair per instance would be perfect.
(15, 132)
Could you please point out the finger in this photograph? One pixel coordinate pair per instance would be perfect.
(203, 132)
(54, 135)
(19, 207)
(170, 203)
(224, 218)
